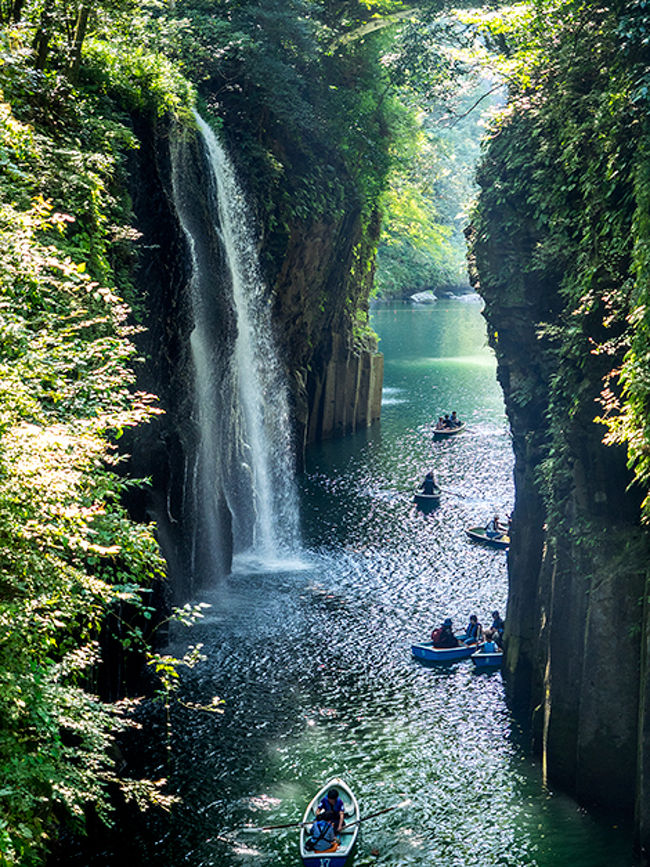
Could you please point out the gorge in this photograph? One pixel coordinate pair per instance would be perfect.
(247, 347)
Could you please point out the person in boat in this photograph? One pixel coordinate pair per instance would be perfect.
(473, 630)
(332, 809)
(490, 646)
(441, 423)
(429, 486)
(446, 422)
(492, 528)
(444, 635)
(322, 836)
(454, 420)
(495, 632)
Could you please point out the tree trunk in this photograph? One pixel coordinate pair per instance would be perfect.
(80, 29)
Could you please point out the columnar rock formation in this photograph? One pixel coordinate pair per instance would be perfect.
(577, 623)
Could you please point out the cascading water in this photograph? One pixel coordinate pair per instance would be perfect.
(241, 412)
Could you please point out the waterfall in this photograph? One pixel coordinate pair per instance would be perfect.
(242, 410)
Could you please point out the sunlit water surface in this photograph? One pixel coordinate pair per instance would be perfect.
(314, 662)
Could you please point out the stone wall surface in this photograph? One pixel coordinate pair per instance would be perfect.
(575, 664)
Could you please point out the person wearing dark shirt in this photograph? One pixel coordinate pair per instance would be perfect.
(496, 630)
(497, 622)
(472, 630)
(428, 486)
(444, 637)
(332, 809)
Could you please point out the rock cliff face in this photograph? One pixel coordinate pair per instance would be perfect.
(321, 278)
(335, 376)
(576, 621)
(166, 451)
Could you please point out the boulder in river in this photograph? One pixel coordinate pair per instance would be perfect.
(423, 297)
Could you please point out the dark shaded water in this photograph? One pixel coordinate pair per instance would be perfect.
(314, 662)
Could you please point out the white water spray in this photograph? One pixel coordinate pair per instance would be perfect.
(254, 448)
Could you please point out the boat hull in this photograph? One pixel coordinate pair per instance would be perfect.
(324, 860)
(487, 660)
(426, 652)
(348, 838)
(427, 501)
(479, 534)
(445, 433)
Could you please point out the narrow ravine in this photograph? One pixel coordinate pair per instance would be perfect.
(315, 666)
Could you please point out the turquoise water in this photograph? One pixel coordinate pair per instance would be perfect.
(314, 663)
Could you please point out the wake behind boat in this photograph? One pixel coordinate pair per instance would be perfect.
(337, 854)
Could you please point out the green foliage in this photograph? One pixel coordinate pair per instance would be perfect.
(565, 183)
(68, 549)
(430, 191)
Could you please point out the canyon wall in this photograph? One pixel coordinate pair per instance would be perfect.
(333, 370)
(165, 451)
(557, 252)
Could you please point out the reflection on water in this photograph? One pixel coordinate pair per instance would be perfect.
(315, 665)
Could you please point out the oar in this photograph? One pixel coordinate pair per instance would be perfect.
(378, 813)
(305, 824)
(276, 827)
(454, 493)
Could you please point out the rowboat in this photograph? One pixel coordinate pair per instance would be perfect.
(426, 652)
(342, 847)
(427, 500)
(484, 660)
(479, 534)
(440, 433)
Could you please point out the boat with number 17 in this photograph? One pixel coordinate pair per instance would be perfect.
(337, 854)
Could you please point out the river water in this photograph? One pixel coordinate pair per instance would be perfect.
(314, 662)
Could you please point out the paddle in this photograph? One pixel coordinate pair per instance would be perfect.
(378, 813)
(305, 824)
(275, 827)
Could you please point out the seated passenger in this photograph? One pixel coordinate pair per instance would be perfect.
(492, 528)
(446, 422)
(490, 647)
(332, 808)
(428, 486)
(445, 635)
(454, 420)
(496, 630)
(322, 836)
(441, 423)
(473, 631)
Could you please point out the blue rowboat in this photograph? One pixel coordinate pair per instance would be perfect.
(479, 534)
(426, 652)
(442, 433)
(338, 854)
(484, 660)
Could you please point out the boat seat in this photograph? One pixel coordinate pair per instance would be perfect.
(335, 845)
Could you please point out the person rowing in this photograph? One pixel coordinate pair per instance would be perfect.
(473, 631)
(332, 809)
(493, 528)
(429, 486)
